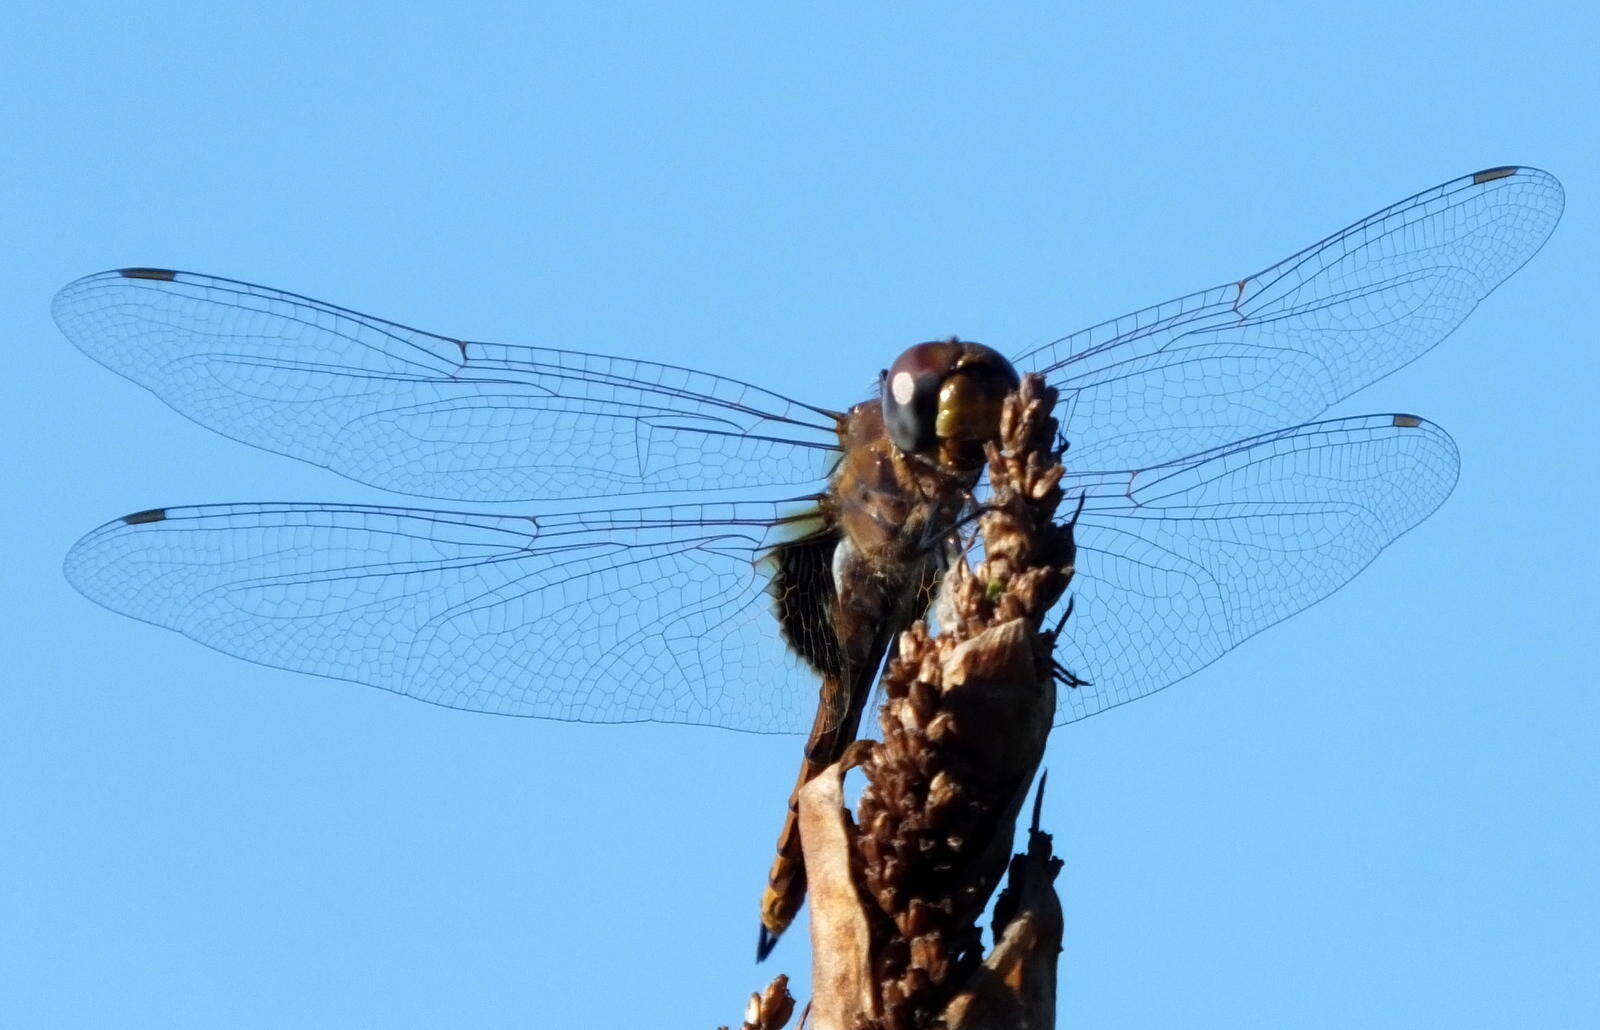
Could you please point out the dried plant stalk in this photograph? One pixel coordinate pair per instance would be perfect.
(769, 1009)
(1016, 987)
(896, 894)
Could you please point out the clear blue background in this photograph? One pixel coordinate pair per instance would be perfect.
(1382, 813)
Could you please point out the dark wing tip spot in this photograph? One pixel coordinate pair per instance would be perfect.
(1407, 421)
(140, 518)
(1491, 174)
(165, 275)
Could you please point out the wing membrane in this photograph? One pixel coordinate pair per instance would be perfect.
(658, 614)
(665, 614)
(1181, 563)
(1278, 348)
(423, 414)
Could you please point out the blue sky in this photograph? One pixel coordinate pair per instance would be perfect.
(1380, 813)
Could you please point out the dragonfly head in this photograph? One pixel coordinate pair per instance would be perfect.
(941, 400)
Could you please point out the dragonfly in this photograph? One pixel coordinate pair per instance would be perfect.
(1216, 497)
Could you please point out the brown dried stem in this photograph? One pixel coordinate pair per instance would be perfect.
(769, 1009)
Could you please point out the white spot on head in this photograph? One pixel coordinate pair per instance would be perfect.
(903, 387)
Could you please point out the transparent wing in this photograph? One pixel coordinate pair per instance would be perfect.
(1278, 348)
(656, 614)
(423, 414)
(1180, 563)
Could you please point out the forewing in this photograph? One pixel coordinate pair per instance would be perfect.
(1181, 563)
(429, 415)
(658, 614)
(1279, 347)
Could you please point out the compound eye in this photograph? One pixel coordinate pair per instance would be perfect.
(969, 409)
(942, 400)
(911, 395)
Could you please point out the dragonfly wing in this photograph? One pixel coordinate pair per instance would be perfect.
(424, 414)
(1181, 563)
(659, 614)
(1279, 347)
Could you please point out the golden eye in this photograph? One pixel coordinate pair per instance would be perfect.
(966, 410)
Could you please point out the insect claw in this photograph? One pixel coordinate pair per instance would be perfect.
(1083, 498)
(1065, 677)
(1062, 622)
